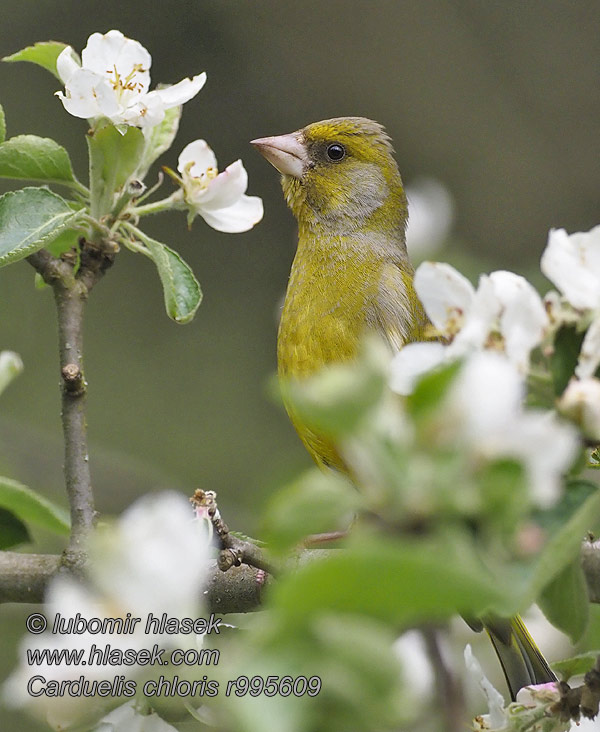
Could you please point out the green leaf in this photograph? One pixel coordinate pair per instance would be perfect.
(114, 157)
(181, 289)
(12, 530)
(400, 582)
(565, 601)
(33, 508)
(64, 242)
(317, 502)
(28, 157)
(334, 400)
(2, 125)
(566, 525)
(430, 390)
(567, 345)
(43, 54)
(575, 666)
(29, 220)
(159, 139)
(10, 367)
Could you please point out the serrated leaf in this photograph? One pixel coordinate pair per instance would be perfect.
(2, 125)
(317, 502)
(400, 582)
(28, 157)
(12, 530)
(575, 666)
(29, 220)
(159, 139)
(567, 345)
(114, 157)
(43, 54)
(33, 508)
(181, 289)
(565, 603)
(10, 367)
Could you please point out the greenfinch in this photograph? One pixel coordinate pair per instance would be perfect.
(351, 275)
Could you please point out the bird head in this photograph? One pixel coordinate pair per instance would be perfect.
(339, 174)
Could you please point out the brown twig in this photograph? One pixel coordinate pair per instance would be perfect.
(24, 578)
(449, 690)
(234, 551)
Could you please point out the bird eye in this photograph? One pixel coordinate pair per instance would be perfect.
(336, 151)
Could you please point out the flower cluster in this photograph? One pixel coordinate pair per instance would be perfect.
(111, 83)
(505, 314)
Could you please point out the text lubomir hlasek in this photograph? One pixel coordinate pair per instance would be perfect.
(156, 625)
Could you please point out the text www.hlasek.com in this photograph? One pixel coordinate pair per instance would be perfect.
(99, 655)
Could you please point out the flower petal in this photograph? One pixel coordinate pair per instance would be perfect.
(113, 52)
(411, 362)
(89, 95)
(581, 403)
(479, 320)
(445, 293)
(200, 155)
(183, 91)
(67, 64)
(485, 398)
(495, 700)
(227, 188)
(431, 215)
(547, 447)
(156, 578)
(589, 356)
(523, 319)
(572, 263)
(242, 216)
(143, 112)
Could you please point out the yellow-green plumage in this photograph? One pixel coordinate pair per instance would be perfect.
(351, 275)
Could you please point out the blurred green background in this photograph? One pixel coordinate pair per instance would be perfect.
(499, 100)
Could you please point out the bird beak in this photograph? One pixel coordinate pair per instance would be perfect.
(285, 152)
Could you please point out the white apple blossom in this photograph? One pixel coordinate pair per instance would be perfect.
(431, 216)
(112, 82)
(581, 403)
(219, 198)
(484, 410)
(504, 313)
(572, 263)
(411, 362)
(153, 559)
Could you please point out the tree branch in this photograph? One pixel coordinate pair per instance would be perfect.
(70, 303)
(24, 578)
(70, 294)
(449, 689)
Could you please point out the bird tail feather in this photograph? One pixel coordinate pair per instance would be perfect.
(521, 660)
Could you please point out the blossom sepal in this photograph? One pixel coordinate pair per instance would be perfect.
(114, 160)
